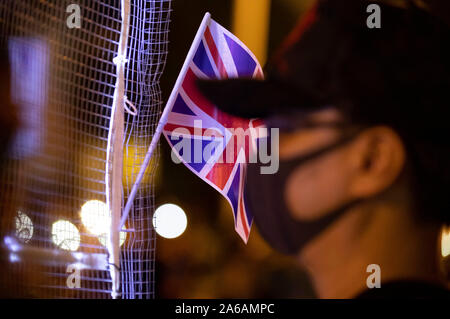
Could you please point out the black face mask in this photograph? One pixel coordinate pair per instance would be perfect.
(264, 195)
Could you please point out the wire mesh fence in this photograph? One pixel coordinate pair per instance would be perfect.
(52, 180)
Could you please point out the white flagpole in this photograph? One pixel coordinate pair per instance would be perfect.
(114, 153)
(163, 120)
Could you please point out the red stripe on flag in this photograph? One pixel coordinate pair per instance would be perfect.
(257, 123)
(243, 217)
(259, 75)
(215, 54)
(192, 92)
(220, 174)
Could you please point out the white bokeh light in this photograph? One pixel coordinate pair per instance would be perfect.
(95, 217)
(65, 235)
(103, 237)
(24, 227)
(169, 221)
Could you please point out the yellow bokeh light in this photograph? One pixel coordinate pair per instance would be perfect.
(445, 242)
(65, 235)
(132, 162)
(96, 217)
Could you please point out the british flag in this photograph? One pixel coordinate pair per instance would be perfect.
(219, 143)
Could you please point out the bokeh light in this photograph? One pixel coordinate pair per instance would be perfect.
(24, 227)
(102, 238)
(65, 235)
(132, 162)
(169, 221)
(96, 217)
(445, 242)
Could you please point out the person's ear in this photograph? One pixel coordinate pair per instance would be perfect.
(378, 158)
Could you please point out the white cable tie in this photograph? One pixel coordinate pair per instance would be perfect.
(128, 102)
(120, 59)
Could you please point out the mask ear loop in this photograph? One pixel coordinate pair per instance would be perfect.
(317, 153)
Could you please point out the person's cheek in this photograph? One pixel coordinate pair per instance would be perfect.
(317, 188)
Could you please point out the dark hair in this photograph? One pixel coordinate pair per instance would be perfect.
(410, 81)
(429, 180)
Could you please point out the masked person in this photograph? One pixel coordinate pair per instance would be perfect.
(364, 151)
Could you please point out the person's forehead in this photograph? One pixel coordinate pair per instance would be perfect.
(330, 114)
(298, 120)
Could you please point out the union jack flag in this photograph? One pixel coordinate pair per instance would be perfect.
(220, 142)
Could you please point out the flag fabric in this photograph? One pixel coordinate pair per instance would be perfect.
(214, 145)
